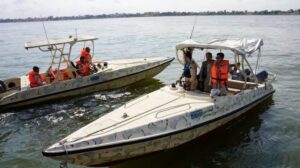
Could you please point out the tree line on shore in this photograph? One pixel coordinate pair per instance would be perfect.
(153, 14)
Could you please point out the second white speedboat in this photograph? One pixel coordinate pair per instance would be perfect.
(107, 75)
(165, 118)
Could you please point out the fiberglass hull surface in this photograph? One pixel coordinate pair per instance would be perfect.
(109, 84)
(107, 154)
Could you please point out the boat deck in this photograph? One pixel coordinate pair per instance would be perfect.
(140, 111)
(152, 108)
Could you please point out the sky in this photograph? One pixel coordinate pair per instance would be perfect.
(37, 8)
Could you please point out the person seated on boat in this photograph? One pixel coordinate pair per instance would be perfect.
(189, 74)
(235, 71)
(219, 74)
(35, 78)
(85, 52)
(82, 67)
(204, 74)
(63, 74)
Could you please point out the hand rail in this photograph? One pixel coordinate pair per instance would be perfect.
(172, 107)
(111, 127)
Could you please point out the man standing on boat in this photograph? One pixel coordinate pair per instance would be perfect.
(219, 74)
(35, 78)
(204, 75)
(85, 53)
(189, 72)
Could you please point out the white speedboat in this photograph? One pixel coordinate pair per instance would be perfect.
(107, 75)
(165, 118)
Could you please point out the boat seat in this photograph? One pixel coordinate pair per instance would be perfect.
(236, 84)
(234, 91)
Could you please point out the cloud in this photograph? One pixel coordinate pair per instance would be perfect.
(35, 8)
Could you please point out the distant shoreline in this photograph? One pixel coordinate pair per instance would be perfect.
(152, 14)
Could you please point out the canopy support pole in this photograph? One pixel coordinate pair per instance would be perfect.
(59, 63)
(93, 48)
(235, 59)
(53, 55)
(243, 73)
(257, 61)
(254, 75)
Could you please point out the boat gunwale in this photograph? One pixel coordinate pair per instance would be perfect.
(57, 154)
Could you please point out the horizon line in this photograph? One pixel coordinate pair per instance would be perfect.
(152, 14)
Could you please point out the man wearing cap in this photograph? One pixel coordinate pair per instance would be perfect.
(35, 78)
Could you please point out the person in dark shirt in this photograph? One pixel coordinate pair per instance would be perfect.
(204, 75)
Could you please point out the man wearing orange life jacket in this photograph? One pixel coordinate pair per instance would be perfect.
(219, 74)
(35, 78)
(85, 53)
(82, 67)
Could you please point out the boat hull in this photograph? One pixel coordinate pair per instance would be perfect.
(101, 86)
(119, 152)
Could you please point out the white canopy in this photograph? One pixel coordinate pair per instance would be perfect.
(58, 41)
(240, 46)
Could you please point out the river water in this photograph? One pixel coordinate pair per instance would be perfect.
(268, 137)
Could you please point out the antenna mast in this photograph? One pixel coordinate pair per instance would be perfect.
(45, 31)
(193, 27)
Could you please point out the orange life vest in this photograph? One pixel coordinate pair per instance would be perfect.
(63, 72)
(35, 79)
(50, 74)
(219, 72)
(87, 56)
(86, 69)
(83, 68)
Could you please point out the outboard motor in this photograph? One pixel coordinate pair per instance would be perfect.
(262, 75)
(247, 72)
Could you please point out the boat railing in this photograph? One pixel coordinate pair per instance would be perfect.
(173, 107)
(128, 119)
(132, 118)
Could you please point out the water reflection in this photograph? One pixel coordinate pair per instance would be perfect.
(90, 100)
(217, 149)
(57, 119)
